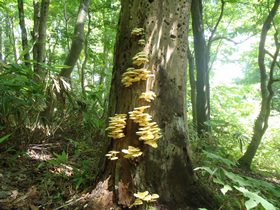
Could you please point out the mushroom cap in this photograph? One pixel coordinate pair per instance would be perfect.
(151, 143)
(141, 195)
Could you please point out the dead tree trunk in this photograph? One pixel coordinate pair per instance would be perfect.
(158, 31)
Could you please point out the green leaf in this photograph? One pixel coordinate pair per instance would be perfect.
(249, 204)
(236, 178)
(254, 199)
(4, 138)
(218, 181)
(225, 189)
(219, 158)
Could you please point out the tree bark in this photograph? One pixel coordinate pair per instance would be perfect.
(40, 39)
(166, 170)
(24, 39)
(77, 41)
(266, 81)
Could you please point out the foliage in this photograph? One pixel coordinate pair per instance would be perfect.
(238, 191)
(21, 96)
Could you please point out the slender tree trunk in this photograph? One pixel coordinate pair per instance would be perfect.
(166, 170)
(40, 43)
(66, 19)
(7, 39)
(261, 122)
(208, 54)
(71, 60)
(35, 32)
(1, 44)
(202, 58)
(202, 108)
(13, 39)
(24, 39)
(83, 69)
(193, 86)
(77, 41)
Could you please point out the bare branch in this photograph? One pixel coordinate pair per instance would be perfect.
(216, 38)
(272, 56)
(217, 23)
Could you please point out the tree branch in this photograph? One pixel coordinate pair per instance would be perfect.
(275, 56)
(216, 38)
(272, 56)
(217, 23)
(261, 56)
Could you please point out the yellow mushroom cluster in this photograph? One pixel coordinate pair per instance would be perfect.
(112, 155)
(141, 42)
(148, 96)
(149, 132)
(116, 126)
(143, 196)
(132, 152)
(134, 75)
(138, 115)
(137, 32)
(140, 58)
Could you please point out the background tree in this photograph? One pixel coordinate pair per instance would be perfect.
(25, 47)
(202, 49)
(266, 80)
(39, 37)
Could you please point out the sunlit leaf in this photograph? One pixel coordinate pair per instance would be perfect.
(225, 189)
(254, 198)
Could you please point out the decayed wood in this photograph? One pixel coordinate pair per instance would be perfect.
(166, 170)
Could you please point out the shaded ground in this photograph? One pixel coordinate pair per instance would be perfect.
(47, 176)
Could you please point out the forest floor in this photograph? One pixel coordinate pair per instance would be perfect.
(47, 176)
(53, 176)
